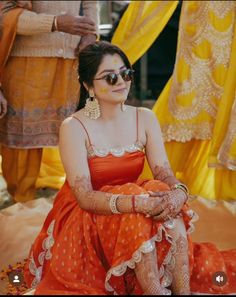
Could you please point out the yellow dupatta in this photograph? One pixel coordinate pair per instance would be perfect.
(198, 121)
(140, 25)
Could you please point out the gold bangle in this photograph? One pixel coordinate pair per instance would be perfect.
(181, 187)
(54, 24)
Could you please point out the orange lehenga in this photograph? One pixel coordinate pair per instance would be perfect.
(78, 252)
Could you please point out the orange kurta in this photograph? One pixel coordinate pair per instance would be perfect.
(78, 252)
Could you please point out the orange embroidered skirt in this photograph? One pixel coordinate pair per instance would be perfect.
(81, 253)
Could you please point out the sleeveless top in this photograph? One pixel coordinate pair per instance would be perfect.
(115, 166)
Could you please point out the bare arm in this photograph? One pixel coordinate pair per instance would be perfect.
(155, 151)
(74, 158)
(174, 199)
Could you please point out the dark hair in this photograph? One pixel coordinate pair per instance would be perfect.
(90, 59)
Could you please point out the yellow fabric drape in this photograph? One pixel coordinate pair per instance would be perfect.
(140, 25)
(51, 173)
(20, 169)
(197, 109)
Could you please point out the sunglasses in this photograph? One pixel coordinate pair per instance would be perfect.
(112, 78)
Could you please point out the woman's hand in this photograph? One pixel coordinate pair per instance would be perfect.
(76, 25)
(84, 41)
(3, 105)
(148, 205)
(172, 203)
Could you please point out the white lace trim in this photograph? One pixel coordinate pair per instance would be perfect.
(147, 247)
(194, 217)
(47, 244)
(117, 152)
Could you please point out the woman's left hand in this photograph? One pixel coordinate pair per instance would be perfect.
(173, 202)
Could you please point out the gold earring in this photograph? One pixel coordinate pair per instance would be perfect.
(123, 106)
(92, 108)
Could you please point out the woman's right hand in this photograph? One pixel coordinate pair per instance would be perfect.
(148, 205)
(75, 25)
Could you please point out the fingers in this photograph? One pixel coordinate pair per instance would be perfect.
(157, 210)
(75, 25)
(163, 216)
(158, 194)
(84, 19)
(84, 29)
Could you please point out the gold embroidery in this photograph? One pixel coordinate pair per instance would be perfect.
(224, 156)
(199, 83)
(186, 131)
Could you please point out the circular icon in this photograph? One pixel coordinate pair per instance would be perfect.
(219, 278)
(15, 278)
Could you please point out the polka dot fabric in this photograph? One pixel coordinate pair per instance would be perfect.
(80, 253)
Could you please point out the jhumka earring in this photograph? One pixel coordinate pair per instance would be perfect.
(92, 108)
(122, 106)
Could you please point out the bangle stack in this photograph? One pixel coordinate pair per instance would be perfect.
(112, 204)
(181, 187)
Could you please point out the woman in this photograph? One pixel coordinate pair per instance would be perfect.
(109, 231)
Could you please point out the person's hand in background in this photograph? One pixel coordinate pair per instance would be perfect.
(85, 40)
(24, 4)
(75, 25)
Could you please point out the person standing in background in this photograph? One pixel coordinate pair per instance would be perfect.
(41, 85)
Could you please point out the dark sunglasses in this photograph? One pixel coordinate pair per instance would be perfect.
(112, 78)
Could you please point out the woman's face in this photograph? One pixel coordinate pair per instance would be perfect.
(103, 91)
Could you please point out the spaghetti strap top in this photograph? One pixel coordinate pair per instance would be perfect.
(92, 151)
(90, 144)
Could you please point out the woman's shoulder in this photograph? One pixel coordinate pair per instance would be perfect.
(146, 113)
(71, 122)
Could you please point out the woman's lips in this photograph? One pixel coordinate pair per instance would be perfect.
(120, 90)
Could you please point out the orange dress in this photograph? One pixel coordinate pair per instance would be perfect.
(81, 253)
